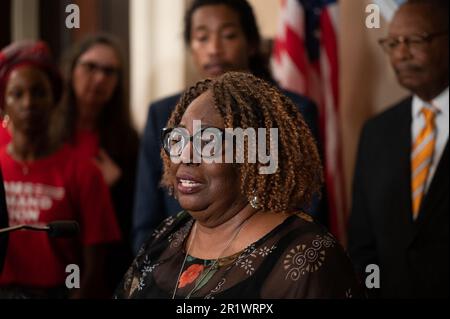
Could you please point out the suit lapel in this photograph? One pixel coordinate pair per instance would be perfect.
(404, 153)
(391, 181)
(436, 191)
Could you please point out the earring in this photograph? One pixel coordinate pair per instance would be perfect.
(171, 192)
(5, 121)
(254, 202)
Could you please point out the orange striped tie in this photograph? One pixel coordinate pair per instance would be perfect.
(421, 158)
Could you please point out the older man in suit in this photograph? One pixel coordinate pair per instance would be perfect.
(400, 211)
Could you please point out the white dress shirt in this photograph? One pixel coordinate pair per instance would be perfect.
(440, 106)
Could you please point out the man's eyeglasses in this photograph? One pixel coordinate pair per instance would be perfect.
(412, 42)
(92, 67)
(207, 142)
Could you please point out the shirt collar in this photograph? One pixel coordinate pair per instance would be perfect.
(440, 103)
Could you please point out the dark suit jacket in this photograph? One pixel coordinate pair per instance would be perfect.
(412, 255)
(152, 203)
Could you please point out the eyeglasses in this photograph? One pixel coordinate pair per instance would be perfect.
(92, 67)
(413, 42)
(207, 142)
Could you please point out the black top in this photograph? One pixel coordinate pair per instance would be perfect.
(297, 259)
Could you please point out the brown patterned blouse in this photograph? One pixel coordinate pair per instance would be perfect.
(297, 259)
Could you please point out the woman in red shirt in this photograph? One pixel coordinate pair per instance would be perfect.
(45, 180)
(99, 127)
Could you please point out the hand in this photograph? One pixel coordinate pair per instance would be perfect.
(110, 170)
(7, 124)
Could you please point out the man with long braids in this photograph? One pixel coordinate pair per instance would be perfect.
(240, 234)
(222, 36)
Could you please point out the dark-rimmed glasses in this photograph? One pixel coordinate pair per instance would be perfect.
(92, 67)
(412, 42)
(207, 142)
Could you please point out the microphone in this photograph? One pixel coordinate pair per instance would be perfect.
(62, 228)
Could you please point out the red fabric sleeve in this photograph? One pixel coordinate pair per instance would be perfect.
(5, 137)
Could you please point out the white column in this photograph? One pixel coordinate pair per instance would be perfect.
(157, 53)
(25, 20)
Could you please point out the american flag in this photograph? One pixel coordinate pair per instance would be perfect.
(305, 61)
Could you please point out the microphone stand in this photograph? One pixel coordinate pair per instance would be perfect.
(61, 228)
(29, 227)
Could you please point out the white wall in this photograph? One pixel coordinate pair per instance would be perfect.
(266, 12)
(25, 11)
(157, 54)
